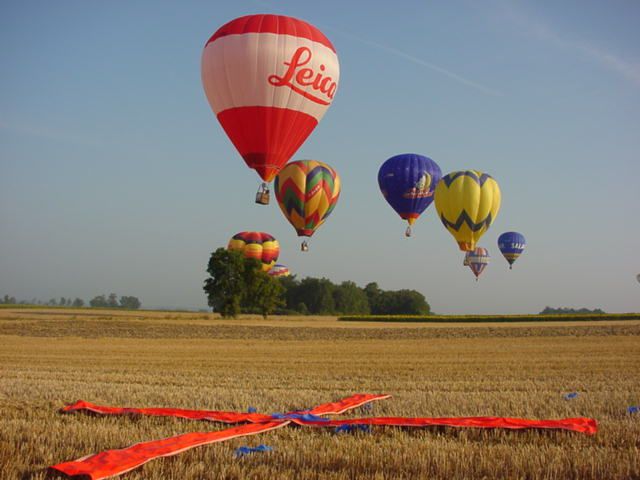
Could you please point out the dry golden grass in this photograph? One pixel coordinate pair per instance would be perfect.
(49, 358)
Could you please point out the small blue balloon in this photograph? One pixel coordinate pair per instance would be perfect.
(571, 396)
(633, 409)
(511, 244)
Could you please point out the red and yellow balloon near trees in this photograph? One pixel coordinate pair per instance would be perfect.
(269, 80)
(307, 192)
(258, 245)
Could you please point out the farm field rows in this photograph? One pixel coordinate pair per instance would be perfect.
(141, 359)
(490, 318)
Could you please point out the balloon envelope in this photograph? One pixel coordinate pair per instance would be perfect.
(408, 182)
(467, 203)
(279, 271)
(511, 244)
(307, 192)
(258, 245)
(477, 260)
(269, 80)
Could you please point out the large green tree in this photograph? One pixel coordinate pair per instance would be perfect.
(237, 282)
(226, 285)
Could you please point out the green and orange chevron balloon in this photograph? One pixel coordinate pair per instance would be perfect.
(307, 192)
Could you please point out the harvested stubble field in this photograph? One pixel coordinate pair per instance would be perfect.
(52, 357)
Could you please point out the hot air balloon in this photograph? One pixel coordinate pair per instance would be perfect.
(269, 80)
(258, 245)
(307, 192)
(477, 260)
(408, 182)
(279, 271)
(511, 244)
(467, 203)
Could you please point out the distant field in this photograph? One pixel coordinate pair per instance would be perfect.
(49, 357)
(588, 317)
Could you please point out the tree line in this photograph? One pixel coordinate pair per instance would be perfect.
(99, 301)
(111, 301)
(570, 311)
(238, 285)
(321, 296)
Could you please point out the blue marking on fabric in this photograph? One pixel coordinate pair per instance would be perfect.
(242, 451)
(352, 428)
(307, 417)
(571, 396)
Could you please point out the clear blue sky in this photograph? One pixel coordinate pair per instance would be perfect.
(115, 175)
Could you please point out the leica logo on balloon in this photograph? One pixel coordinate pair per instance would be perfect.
(297, 77)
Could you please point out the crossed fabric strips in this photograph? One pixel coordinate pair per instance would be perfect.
(115, 462)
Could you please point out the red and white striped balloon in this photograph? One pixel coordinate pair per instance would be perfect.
(279, 271)
(477, 260)
(269, 79)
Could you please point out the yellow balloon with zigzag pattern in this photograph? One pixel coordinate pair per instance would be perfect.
(467, 203)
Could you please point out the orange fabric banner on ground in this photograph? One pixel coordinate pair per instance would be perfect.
(115, 462)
